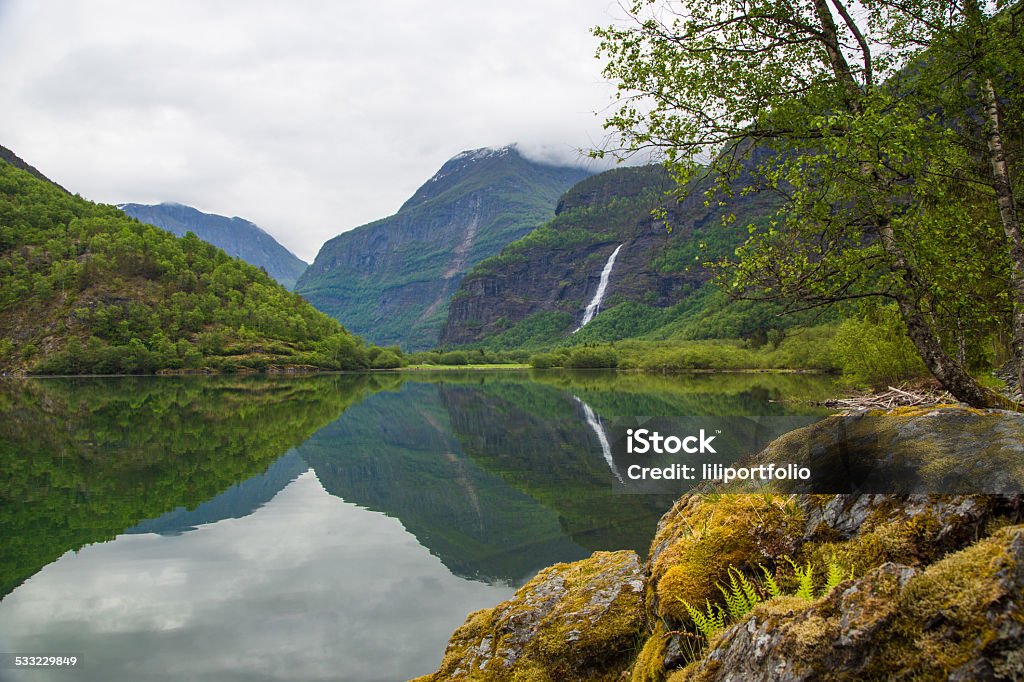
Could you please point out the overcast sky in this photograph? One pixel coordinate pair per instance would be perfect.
(308, 118)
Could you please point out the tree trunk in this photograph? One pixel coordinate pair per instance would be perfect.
(1009, 217)
(950, 373)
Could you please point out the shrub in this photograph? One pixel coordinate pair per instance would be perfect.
(875, 350)
(545, 360)
(592, 357)
(386, 359)
(455, 357)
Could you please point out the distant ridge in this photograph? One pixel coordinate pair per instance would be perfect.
(237, 236)
(10, 157)
(392, 280)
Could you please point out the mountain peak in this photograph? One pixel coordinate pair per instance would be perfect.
(465, 160)
(485, 152)
(392, 279)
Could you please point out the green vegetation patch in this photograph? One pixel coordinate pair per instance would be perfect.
(85, 289)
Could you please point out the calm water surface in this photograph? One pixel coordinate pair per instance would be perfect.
(325, 528)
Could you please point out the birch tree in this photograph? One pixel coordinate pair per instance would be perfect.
(888, 150)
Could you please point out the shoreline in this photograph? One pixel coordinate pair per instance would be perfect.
(423, 368)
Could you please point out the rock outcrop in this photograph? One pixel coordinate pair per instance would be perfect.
(961, 618)
(577, 621)
(842, 587)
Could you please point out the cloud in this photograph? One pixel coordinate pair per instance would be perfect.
(309, 119)
(352, 597)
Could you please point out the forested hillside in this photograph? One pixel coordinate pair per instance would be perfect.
(237, 236)
(86, 289)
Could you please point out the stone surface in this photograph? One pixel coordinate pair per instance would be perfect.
(923, 587)
(936, 450)
(578, 621)
(960, 619)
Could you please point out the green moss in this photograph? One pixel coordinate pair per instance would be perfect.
(704, 539)
(572, 621)
(650, 662)
(943, 613)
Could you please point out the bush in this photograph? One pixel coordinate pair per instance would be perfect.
(546, 360)
(386, 359)
(592, 357)
(455, 357)
(874, 350)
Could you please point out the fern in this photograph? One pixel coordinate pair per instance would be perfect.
(836, 574)
(740, 596)
(771, 586)
(805, 579)
(708, 623)
(753, 598)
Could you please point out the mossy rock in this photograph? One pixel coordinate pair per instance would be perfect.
(935, 450)
(578, 621)
(664, 649)
(961, 618)
(703, 536)
(865, 531)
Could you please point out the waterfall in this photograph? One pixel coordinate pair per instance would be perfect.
(595, 424)
(602, 286)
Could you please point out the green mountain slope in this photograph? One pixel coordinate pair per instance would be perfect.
(534, 293)
(84, 459)
(239, 237)
(86, 289)
(10, 157)
(391, 280)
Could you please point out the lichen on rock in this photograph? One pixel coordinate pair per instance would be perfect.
(577, 621)
(960, 619)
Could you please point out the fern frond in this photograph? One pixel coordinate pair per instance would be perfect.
(771, 586)
(805, 579)
(708, 624)
(836, 574)
(751, 595)
(805, 586)
(733, 601)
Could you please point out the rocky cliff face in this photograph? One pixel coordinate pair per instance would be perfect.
(237, 236)
(919, 587)
(392, 280)
(556, 270)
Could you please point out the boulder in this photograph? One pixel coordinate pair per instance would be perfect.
(577, 621)
(961, 618)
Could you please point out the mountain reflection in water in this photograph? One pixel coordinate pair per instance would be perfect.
(336, 526)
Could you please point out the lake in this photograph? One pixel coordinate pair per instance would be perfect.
(331, 527)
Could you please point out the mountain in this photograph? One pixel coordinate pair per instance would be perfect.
(392, 280)
(238, 501)
(84, 460)
(13, 159)
(86, 289)
(237, 236)
(537, 290)
(396, 453)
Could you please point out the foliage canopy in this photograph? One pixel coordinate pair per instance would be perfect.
(877, 124)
